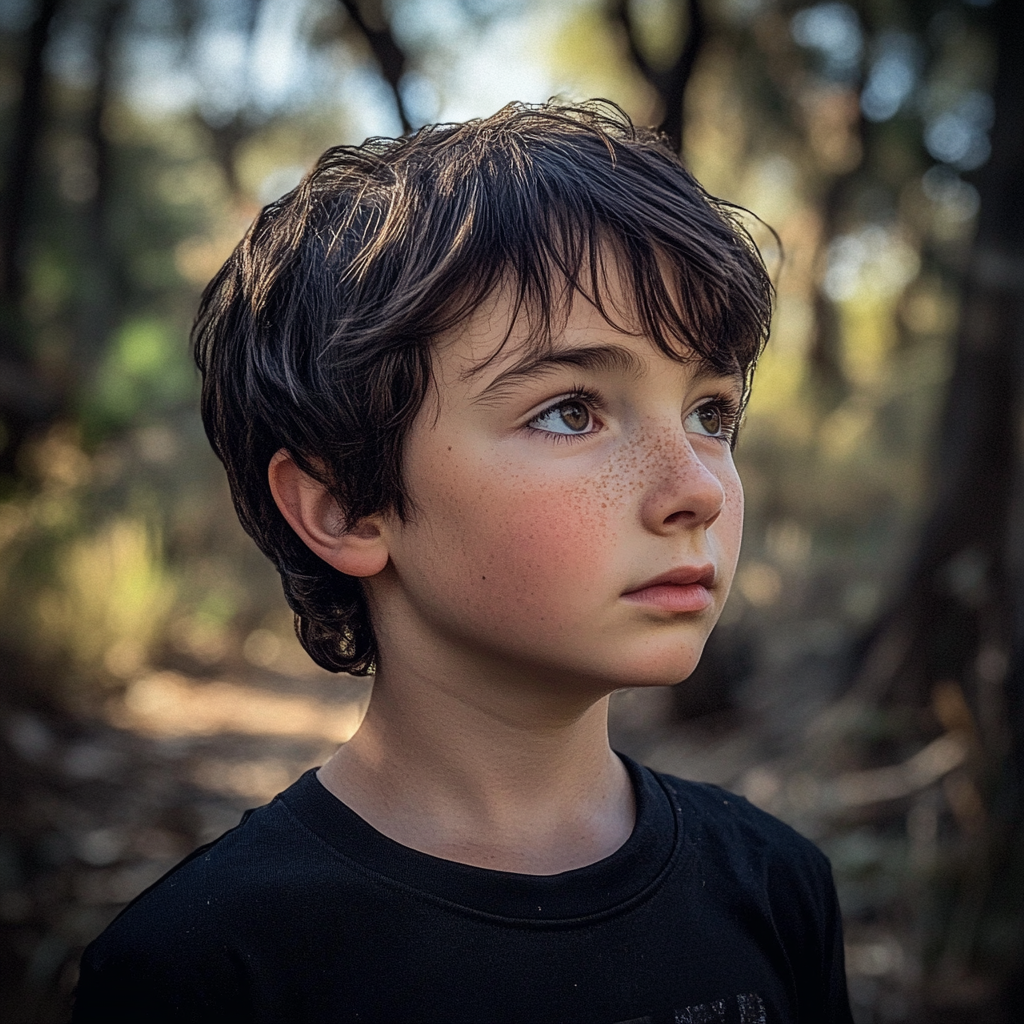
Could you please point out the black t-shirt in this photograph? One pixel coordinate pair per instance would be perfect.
(712, 911)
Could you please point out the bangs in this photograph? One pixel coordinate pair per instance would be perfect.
(650, 297)
(547, 212)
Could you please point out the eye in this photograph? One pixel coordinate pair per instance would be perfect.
(712, 420)
(569, 417)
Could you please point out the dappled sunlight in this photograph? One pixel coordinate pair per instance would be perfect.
(250, 780)
(168, 704)
(114, 589)
(157, 688)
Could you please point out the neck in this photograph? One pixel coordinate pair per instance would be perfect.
(493, 772)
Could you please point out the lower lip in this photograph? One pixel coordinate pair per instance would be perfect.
(670, 597)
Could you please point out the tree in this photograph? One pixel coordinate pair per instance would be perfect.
(26, 398)
(371, 20)
(956, 625)
(670, 76)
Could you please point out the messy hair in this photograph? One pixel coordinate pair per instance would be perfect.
(315, 336)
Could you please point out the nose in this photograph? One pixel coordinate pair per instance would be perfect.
(683, 490)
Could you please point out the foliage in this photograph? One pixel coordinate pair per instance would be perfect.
(853, 129)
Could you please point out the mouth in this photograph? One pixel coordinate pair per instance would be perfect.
(685, 589)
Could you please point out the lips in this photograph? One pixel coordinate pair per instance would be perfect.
(684, 589)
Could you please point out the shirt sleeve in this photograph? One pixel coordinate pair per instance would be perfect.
(807, 914)
(837, 999)
(126, 982)
(167, 957)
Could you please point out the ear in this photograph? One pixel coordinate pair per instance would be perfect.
(315, 516)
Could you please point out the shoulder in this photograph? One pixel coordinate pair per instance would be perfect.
(756, 865)
(200, 919)
(749, 841)
(711, 806)
(192, 895)
(183, 948)
(764, 871)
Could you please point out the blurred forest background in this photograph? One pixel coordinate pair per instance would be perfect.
(865, 683)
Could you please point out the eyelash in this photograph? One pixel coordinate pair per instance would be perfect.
(728, 409)
(591, 399)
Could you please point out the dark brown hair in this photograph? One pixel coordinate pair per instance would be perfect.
(315, 336)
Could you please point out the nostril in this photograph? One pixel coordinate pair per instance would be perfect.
(678, 517)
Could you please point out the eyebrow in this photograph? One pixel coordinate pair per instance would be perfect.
(586, 357)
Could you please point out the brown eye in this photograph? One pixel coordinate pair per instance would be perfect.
(575, 415)
(710, 418)
(570, 417)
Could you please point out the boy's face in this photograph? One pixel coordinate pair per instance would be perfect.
(576, 517)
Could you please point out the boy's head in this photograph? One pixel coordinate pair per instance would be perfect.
(320, 335)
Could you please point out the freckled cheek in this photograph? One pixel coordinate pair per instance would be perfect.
(539, 546)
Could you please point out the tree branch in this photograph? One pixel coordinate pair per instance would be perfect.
(389, 55)
(620, 13)
(670, 84)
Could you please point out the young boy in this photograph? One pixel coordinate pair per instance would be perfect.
(476, 392)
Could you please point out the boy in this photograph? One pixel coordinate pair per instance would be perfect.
(476, 392)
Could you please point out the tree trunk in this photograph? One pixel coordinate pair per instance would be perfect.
(25, 398)
(959, 617)
(27, 132)
(97, 312)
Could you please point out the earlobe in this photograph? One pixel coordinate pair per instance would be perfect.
(314, 515)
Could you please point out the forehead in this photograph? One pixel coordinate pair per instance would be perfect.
(504, 340)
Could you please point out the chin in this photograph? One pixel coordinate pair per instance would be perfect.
(665, 671)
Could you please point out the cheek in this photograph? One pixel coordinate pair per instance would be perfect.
(515, 544)
(542, 542)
